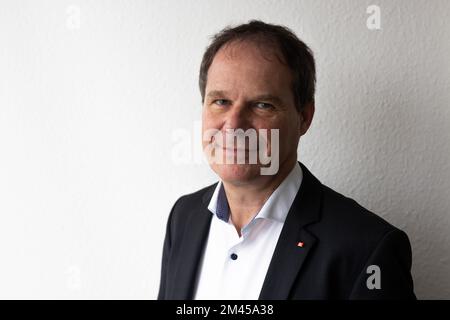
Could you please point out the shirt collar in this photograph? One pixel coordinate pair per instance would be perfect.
(275, 208)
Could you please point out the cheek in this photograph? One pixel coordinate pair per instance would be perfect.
(205, 126)
(210, 126)
(207, 122)
(210, 120)
(287, 135)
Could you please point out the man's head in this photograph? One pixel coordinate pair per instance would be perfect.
(257, 76)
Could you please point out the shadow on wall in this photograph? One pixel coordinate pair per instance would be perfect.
(415, 165)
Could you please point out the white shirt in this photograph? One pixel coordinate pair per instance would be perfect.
(222, 277)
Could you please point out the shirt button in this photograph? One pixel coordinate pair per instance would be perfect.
(233, 256)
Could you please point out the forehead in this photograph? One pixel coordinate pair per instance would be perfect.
(250, 67)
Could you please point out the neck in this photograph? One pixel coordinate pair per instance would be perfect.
(245, 200)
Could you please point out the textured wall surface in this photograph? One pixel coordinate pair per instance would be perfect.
(96, 98)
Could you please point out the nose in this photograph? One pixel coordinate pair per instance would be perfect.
(237, 118)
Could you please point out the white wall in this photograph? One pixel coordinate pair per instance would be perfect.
(92, 94)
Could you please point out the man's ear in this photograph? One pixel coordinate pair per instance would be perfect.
(306, 116)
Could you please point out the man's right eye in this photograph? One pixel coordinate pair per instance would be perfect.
(221, 102)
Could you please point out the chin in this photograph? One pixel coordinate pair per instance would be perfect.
(237, 172)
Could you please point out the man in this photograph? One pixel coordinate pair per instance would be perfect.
(282, 235)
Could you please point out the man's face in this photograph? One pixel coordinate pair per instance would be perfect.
(250, 89)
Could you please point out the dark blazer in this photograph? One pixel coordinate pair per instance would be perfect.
(341, 239)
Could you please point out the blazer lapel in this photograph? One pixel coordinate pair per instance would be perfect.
(295, 242)
(194, 241)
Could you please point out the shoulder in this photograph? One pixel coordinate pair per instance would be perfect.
(351, 231)
(348, 215)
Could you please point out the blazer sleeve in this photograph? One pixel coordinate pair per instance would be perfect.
(392, 259)
(166, 256)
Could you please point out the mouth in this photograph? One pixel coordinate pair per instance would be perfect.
(232, 146)
(235, 149)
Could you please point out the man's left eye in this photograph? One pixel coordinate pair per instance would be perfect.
(263, 105)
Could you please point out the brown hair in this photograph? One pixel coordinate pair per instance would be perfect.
(295, 53)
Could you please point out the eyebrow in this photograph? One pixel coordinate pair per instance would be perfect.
(268, 97)
(216, 94)
(265, 97)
